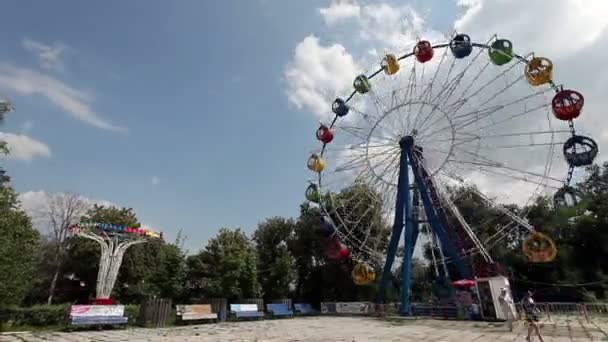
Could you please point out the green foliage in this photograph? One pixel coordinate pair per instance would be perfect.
(132, 312)
(19, 243)
(275, 262)
(226, 268)
(167, 276)
(36, 316)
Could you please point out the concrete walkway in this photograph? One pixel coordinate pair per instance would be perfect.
(328, 329)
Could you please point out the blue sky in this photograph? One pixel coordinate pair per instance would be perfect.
(197, 87)
(178, 109)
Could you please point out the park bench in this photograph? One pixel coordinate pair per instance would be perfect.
(279, 310)
(246, 311)
(304, 308)
(97, 315)
(195, 312)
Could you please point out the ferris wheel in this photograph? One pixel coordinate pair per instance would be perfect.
(437, 117)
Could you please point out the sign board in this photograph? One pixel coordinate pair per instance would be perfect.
(97, 310)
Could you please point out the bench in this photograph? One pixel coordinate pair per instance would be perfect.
(246, 310)
(304, 308)
(195, 312)
(97, 315)
(279, 310)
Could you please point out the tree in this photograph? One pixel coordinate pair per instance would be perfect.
(275, 262)
(18, 245)
(226, 268)
(167, 279)
(61, 211)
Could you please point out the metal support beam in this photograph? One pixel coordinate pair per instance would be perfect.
(435, 220)
(402, 190)
(408, 246)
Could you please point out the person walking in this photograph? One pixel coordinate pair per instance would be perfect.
(506, 303)
(531, 312)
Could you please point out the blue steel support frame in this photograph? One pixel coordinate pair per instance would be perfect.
(408, 251)
(406, 216)
(403, 189)
(436, 218)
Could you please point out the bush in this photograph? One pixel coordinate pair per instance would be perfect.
(132, 311)
(36, 316)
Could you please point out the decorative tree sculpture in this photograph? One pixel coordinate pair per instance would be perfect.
(114, 241)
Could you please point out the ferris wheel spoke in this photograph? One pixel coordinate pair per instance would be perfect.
(410, 94)
(484, 86)
(427, 91)
(520, 145)
(497, 170)
(489, 111)
(362, 156)
(514, 116)
(489, 163)
(455, 105)
(355, 132)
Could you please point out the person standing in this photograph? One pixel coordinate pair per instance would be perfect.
(506, 303)
(531, 312)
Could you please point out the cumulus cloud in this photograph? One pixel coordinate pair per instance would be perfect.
(49, 56)
(558, 30)
(381, 25)
(318, 74)
(340, 10)
(23, 147)
(75, 102)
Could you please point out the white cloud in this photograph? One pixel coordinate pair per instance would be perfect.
(22, 147)
(318, 74)
(74, 101)
(49, 56)
(155, 180)
(382, 25)
(557, 30)
(340, 10)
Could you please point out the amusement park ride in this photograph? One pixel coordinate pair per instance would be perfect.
(432, 122)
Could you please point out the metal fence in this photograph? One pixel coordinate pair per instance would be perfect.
(580, 310)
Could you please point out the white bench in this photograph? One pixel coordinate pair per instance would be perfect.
(195, 312)
(246, 310)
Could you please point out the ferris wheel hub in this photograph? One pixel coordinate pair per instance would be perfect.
(406, 142)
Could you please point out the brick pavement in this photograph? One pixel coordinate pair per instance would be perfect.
(328, 329)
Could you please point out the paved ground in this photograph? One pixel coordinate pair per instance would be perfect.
(329, 329)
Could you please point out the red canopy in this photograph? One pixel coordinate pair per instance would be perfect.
(464, 283)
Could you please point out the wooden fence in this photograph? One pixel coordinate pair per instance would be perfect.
(155, 313)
